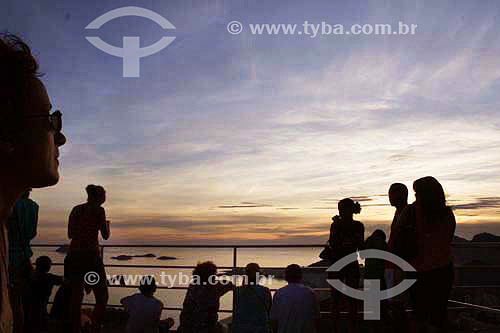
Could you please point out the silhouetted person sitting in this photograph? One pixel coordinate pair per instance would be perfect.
(398, 198)
(40, 290)
(144, 309)
(252, 304)
(295, 308)
(85, 223)
(22, 228)
(30, 138)
(435, 227)
(201, 304)
(346, 237)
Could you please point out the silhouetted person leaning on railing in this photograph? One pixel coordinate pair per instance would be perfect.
(84, 257)
(30, 138)
(40, 289)
(252, 304)
(433, 224)
(295, 308)
(346, 237)
(201, 305)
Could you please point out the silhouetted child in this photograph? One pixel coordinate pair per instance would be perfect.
(374, 268)
(145, 310)
(39, 293)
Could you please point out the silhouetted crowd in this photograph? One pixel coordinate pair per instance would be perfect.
(30, 137)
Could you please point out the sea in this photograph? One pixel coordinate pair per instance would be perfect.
(265, 257)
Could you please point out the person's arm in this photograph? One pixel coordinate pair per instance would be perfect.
(224, 288)
(158, 313)
(72, 223)
(56, 279)
(453, 225)
(33, 231)
(361, 237)
(125, 301)
(105, 232)
(332, 234)
(316, 314)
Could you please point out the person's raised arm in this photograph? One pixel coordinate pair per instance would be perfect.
(332, 235)
(105, 229)
(223, 288)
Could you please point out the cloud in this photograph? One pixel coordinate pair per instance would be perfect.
(245, 205)
(479, 203)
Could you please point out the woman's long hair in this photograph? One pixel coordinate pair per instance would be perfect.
(431, 198)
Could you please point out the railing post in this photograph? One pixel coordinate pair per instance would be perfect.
(235, 267)
(102, 253)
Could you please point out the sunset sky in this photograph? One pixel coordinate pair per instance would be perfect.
(254, 138)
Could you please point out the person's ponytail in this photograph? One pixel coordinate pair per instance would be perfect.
(356, 208)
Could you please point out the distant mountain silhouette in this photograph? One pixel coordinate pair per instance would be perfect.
(485, 237)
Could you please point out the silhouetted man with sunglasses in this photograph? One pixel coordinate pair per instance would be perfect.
(30, 138)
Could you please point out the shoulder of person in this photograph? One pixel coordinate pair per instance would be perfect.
(33, 202)
(157, 301)
(359, 224)
(264, 288)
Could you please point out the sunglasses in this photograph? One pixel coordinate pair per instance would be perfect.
(55, 120)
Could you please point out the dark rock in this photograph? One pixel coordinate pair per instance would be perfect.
(166, 258)
(485, 237)
(149, 255)
(122, 257)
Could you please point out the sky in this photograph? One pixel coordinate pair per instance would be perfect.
(254, 138)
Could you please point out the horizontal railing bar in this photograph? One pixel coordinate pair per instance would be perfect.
(322, 312)
(475, 306)
(251, 246)
(262, 268)
(193, 246)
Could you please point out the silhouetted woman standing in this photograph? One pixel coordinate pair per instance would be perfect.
(346, 237)
(84, 258)
(435, 227)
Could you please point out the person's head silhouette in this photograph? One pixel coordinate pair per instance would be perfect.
(252, 272)
(347, 207)
(96, 194)
(398, 195)
(430, 196)
(379, 234)
(30, 136)
(293, 273)
(43, 264)
(147, 285)
(205, 272)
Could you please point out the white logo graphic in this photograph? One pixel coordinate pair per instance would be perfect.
(234, 27)
(91, 278)
(372, 295)
(131, 51)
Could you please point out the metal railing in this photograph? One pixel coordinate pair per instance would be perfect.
(234, 268)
